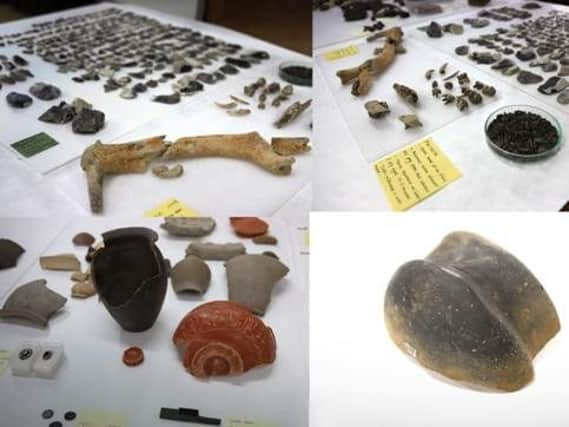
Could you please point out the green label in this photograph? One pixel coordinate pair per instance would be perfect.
(34, 144)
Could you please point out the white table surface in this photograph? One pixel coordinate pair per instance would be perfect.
(52, 183)
(93, 375)
(358, 377)
(348, 145)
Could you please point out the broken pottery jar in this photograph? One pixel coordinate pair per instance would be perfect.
(251, 279)
(191, 274)
(33, 301)
(131, 277)
(471, 312)
(215, 251)
(189, 227)
(10, 251)
(223, 338)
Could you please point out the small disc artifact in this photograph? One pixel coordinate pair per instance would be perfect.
(223, 338)
(471, 312)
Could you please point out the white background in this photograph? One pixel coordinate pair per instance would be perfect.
(93, 375)
(360, 378)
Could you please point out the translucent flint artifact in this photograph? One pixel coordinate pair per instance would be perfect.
(223, 338)
(251, 279)
(33, 301)
(191, 274)
(131, 276)
(471, 312)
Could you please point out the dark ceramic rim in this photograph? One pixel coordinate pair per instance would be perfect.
(522, 157)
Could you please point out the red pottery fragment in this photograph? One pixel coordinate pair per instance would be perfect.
(133, 356)
(223, 338)
(248, 226)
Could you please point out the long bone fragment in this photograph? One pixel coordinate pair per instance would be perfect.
(246, 146)
(99, 160)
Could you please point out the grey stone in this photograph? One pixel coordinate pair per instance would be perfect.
(563, 97)
(45, 91)
(527, 77)
(526, 54)
(462, 50)
(58, 114)
(88, 121)
(19, 100)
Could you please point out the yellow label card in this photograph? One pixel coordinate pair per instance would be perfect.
(414, 173)
(95, 418)
(238, 422)
(343, 52)
(4, 360)
(171, 207)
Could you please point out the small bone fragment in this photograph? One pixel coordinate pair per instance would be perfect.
(239, 100)
(84, 289)
(410, 121)
(265, 239)
(215, 251)
(290, 146)
(239, 113)
(292, 112)
(100, 159)
(162, 171)
(405, 92)
(377, 109)
(63, 262)
(227, 106)
(246, 146)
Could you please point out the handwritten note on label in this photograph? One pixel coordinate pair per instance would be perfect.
(239, 422)
(95, 418)
(414, 173)
(4, 360)
(171, 207)
(343, 52)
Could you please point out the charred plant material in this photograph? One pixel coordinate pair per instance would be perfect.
(290, 146)
(436, 91)
(448, 98)
(262, 101)
(461, 103)
(448, 85)
(429, 74)
(486, 90)
(443, 69)
(405, 92)
(292, 112)
(284, 94)
(377, 109)
(360, 76)
(452, 76)
(250, 89)
(99, 160)
(410, 121)
(463, 79)
(162, 171)
(474, 97)
(246, 146)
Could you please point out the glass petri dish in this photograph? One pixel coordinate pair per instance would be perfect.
(524, 157)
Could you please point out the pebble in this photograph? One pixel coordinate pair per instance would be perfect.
(19, 100)
(526, 54)
(550, 67)
(563, 97)
(462, 50)
(167, 99)
(83, 239)
(434, 30)
(88, 122)
(128, 93)
(79, 104)
(229, 69)
(563, 71)
(527, 77)
(45, 91)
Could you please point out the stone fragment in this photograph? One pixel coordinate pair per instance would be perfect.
(162, 171)
(265, 239)
(58, 114)
(88, 122)
(410, 121)
(84, 289)
(377, 109)
(525, 54)
(189, 227)
(527, 77)
(563, 97)
(462, 50)
(83, 239)
(79, 104)
(167, 99)
(434, 30)
(45, 91)
(18, 100)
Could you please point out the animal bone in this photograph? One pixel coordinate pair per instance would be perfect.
(290, 146)
(246, 146)
(101, 159)
(292, 112)
(360, 75)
